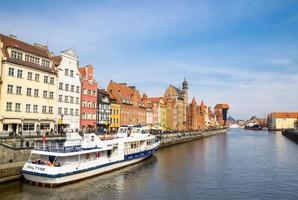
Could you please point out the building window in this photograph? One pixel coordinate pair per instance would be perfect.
(60, 98)
(28, 108)
(66, 87)
(19, 90)
(35, 108)
(44, 109)
(29, 75)
(71, 99)
(9, 106)
(77, 100)
(11, 71)
(94, 93)
(51, 95)
(71, 73)
(78, 89)
(9, 89)
(72, 88)
(59, 111)
(89, 92)
(28, 127)
(36, 92)
(46, 79)
(66, 99)
(36, 77)
(18, 107)
(44, 126)
(66, 72)
(84, 91)
(16, 55)
(83, 115)
(77, 112)
(45, 94)
(65, 111)
(71, 111)
(20, 73)
(60, 86)
(52, 80)
(29, 91)
(51, 109)
(45, 63)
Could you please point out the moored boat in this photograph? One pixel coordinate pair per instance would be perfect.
(56, 163)
(253, 127)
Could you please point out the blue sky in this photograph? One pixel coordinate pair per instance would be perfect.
(241, 52)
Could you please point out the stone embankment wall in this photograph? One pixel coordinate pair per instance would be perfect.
(177, 138)
(13, 157)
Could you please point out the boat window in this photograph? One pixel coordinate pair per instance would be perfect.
(109, 152)
(135, 130)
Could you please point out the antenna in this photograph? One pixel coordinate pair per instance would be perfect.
(47, 37)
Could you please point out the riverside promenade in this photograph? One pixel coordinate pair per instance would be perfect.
(14, 151)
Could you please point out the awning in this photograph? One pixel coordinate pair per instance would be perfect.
(12, 121)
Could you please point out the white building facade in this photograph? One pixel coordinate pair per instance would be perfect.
(69, 91)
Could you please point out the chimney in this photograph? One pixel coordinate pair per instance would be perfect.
(13, 36)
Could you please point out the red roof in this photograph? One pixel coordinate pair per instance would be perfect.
(121, 91)
(285, 115)
(20, 45)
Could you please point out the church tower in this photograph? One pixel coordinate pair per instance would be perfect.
(185, 97)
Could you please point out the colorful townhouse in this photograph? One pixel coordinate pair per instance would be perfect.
(88, 99)
(28, 87)
(103, 118)
(132, 108)
(114, 114)
(69, 90)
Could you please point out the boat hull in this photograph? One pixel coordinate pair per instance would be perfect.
(57, 181)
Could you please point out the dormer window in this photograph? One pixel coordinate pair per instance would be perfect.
(45, 63)
(32, 59)
(16, 55)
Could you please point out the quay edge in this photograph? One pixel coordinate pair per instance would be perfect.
(13, 170)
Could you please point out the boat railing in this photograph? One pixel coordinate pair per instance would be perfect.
(54, 146)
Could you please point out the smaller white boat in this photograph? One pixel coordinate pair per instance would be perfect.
(54, 163)
(234, 126)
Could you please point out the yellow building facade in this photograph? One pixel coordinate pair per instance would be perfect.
(28, 87)
(115, 116)
(282, 120)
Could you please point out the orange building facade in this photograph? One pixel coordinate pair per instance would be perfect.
(132, 108)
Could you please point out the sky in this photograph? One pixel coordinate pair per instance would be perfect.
(244, 52)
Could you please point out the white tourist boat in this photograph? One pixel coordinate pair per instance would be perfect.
(54, 163)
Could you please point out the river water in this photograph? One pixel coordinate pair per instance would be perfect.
(238, 165)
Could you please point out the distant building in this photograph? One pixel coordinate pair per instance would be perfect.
(69, 90)
(221, 113)
(28, 87)
(88, 98)
(176, 101)
(103, 119)
(132, 108)
(158, 111)
(282, 120)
